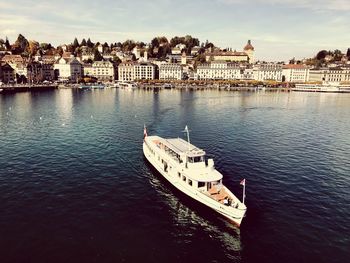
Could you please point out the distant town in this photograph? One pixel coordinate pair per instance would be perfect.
(178, 59)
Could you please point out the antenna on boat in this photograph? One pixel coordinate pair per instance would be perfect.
(188, 137)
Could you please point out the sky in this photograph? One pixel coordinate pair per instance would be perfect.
(279, 29)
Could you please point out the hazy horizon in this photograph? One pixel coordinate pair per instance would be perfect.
(279, 30)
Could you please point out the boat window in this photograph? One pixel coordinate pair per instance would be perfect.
(184, 178)
(196, 159)
(190, 182)
(201, 184)
(179, 174)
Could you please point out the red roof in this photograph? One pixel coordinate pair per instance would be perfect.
(249, 46)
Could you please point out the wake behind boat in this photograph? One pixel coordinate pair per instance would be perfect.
(184, 166)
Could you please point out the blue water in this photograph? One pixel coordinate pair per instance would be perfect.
(75, 187)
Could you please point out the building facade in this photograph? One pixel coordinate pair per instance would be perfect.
(295, 73)
(68, 69)
(130, 71)
(8, 74)
(145, 70)
(269, 71)
(218, 70)
(170, 71)
(103, 70)
(126, 71)
(339, 74)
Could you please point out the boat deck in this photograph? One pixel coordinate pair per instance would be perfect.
(218, 195)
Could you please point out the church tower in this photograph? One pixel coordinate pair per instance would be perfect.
(249, 50)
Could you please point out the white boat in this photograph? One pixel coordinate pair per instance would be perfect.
(324, 87)
(185, 167)
(126, 85)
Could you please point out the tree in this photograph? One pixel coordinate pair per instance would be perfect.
(33, 47)
(7, 44)
(20, 45)
(75, 43)
(321, 54)
(89, 43)
(155, 42)
(83, 42)
(97, 55)
(116, 60)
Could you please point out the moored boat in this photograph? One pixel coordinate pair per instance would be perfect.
(127, 85)
(324, 87)
(92, 86)
(185, 167)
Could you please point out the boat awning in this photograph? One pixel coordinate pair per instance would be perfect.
(179, 146)
(206, 176)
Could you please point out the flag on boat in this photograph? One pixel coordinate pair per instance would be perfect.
(242, 182)
(144, 132)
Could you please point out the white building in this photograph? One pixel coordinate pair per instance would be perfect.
(103, 70)
(295, 73)
(126, 71)
(317, 75)
(87, 55)
(270, 71)
(130, 71)
(218, 70)
(338, 74)
(68, 69)
(170, 71)
(145, 70)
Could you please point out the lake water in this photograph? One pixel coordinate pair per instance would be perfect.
(75, 187)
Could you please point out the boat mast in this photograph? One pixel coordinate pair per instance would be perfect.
(188, 137)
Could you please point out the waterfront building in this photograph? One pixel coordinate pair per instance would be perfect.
(87, 70)
(68, 69)
(317, 75)
(48, 72)
(295, 73)
(338, 74)
(144, 70)
(130, 71)
(126, 71)
(8, 74)
(268, 71)
(170, 71)
(218, 70)
(103, 70)
(34, 72)
(247, 74)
